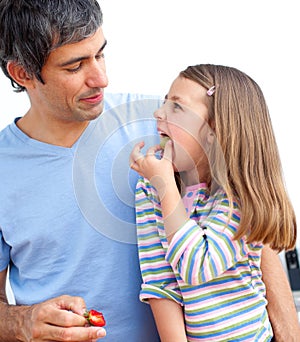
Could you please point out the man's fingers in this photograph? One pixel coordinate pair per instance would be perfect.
(75, 334)
(63, 318)
(71, 303)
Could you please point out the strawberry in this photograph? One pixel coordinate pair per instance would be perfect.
(95, 318)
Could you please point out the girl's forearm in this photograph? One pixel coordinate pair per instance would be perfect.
(173, 210)
(169, 320)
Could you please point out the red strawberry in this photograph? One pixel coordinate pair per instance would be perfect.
(95, 318)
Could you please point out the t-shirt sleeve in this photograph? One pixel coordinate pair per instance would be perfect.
(4, 253)
(159, 280)
(202, 251)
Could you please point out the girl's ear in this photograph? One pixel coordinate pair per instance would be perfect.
(210, 137)
(19, 74)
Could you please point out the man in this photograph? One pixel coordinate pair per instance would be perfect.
(53, 250)
(68, 251)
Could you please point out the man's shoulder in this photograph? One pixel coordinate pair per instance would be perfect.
(6, 135)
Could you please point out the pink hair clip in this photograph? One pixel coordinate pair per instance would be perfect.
(211, 91)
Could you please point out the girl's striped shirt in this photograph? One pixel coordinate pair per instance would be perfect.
(215, 278)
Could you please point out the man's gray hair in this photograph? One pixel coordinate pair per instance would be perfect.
(31, 29)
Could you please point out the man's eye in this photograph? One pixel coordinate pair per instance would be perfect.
(75, 69)
(100, 56)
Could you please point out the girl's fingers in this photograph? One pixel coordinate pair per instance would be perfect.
(136, 154)
(137, 158)
(168, 150)
(153, 149)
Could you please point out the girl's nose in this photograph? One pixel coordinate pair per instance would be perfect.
(160, 114)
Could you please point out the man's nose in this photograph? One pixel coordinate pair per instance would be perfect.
(97, 77)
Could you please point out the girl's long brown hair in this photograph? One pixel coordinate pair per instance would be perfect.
(253, 177)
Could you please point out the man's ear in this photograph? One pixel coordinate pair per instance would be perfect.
(19, 74)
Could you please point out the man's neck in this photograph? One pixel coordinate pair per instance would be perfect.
(61, 133)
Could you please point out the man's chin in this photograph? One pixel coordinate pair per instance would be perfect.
(95, 116)
(92, 115)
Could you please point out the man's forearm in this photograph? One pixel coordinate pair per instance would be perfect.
(281, 306)
(11, 322)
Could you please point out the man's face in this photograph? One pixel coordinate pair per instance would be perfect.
(74, 77)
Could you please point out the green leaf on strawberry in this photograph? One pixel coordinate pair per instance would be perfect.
(163, 141)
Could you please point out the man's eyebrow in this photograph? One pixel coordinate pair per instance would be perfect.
(81, 58)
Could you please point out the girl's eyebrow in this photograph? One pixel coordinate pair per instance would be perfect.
(79, 59)
(173, 98)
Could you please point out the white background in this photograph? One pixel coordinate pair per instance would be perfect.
(149, 42)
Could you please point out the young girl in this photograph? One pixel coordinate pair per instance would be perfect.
(201, 234)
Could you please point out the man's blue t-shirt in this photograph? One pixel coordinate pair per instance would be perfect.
(67, 217)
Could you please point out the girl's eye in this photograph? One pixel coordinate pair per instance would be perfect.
(177, 106)
(172, 106)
